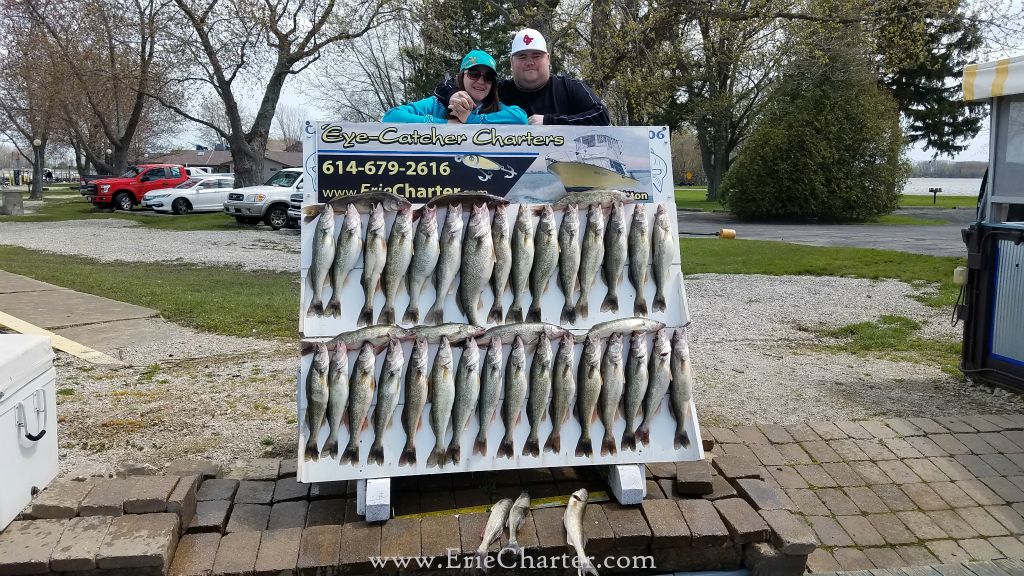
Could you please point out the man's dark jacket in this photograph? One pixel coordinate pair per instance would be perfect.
(562, 100)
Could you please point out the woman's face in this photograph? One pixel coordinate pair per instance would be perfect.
(478, 81)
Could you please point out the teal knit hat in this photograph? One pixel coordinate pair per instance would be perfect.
(478, 58)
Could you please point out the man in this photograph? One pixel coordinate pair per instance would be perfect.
(546, 99)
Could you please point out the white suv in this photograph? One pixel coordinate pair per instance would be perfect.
(268, 202)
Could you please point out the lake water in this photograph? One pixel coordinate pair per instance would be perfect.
(950, 186)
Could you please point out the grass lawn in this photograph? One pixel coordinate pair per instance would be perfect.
(905, 220)
(214, 299)
(78, 209)
(942, 201)
(693, 198)
(781, 259)
(895, 338)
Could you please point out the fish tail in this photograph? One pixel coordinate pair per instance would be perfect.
(515, 312)
(311, 452)
(438, 457)
(454, 454)
(333, 307)
(350, 455)
(316, 308)
(640, 305)
(554, 443)
(568, 314)
(330, 448)
(585, 447)
(582, 307)
(608, 445)
(534, 314)
(365, 315)
(643, 434)
(611, 302)
(532, 446)
(494, 317)
(480, 446)
(387, 314)
(505, 448)
(682, 439)
(376, 455)
(586, 567)
(435, 315)
(412, 314)
(658, 305)
(628, 440)
(408, 457)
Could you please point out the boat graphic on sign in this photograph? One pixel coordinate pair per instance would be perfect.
(597, 163)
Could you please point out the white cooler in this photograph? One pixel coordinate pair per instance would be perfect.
(28, 421)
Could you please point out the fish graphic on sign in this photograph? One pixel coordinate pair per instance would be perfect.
(485, 166)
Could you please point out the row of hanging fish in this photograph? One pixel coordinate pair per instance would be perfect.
(615, 375)
(489, 250)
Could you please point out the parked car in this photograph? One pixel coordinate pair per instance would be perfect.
(87, 183)
(295, 209)
(268, 202)
(127, 190)
(194, 171)
(203, 193)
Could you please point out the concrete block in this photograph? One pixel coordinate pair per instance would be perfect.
(237, 553)
(288, 515)
(139, 541)
(288, 488)
(627, 482)
(106, 497)
(668, 529)
(182, 500)
(279, 552)
(79, 544)
(288, 469)
(706, 527)
(26, 546)
(762, 496)
(596, 525)
(319, 550)
(256, 469)
(205, 469)
(693, 478)
(439, 534)
(763, 559)
(629, 525)
(790, 534)
(401, 537)
(149, 494)
(326, 512)
(735, 467)
(61, 499)
(359, 541)
(195, 555)
(744, 523)
(217, 489)
(210, 516)
(328, 490)
(248, 518)
(254, 492)
(373, 499)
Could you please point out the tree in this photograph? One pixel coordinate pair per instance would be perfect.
(233, 46)
(829, 145)
(289, 122)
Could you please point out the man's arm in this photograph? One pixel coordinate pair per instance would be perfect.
(585, 108)
(444, 90)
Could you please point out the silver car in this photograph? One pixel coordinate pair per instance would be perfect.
(205, 193)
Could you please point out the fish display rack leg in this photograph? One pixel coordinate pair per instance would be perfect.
(373, 499)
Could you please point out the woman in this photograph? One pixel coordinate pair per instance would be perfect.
(478, 79)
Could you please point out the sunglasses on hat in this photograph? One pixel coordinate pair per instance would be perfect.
(474, 74)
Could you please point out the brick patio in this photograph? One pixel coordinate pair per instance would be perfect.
(825, 497)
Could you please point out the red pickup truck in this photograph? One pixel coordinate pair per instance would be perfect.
(128, 189)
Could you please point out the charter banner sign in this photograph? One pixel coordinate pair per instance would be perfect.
(521, 163)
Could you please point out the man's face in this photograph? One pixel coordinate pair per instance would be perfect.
(531, 68)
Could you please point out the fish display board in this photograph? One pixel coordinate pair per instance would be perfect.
(559, 335)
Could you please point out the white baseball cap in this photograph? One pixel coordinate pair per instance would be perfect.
(529, 39)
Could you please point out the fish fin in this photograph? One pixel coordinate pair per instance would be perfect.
(531, 447)
(330, 448)
(611, 302)
(582, 307)
(311, 452)
(585, 447)
(682, 440)
(387, 314)
(594, 417)
(454, 454)
(586, 567)
(628, 440)
(437, 457)
(640, 306)
(554, 443)
(408, 457)
(505, 448)
(434, 316)
(568, 314)
(312, 211)
(351, 455)
(316, 307)
(512, 547)
(412, 315)
(643, 434)
(333, 307)
(608, 445)
(515, 314)
(365, 315)
(480, 446)
(376, 455)
(494, 317)
(534, 314)
(658, 305)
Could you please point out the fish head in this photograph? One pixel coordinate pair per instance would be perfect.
(566, 342)
(661, 218)
(367, 355)
(614, 347)
(376, 218)
(500, 217)
(639, 212)
(321, 358)
(595, 218)
(339, 360)
(518, 346)
(572, 211)
(638, 345)
(444, 353)
(580, 496)
(662, 346)
(679, 342)
(454, 213)
(592, 348)
(428, 218)
(471, 351)
(479, 221)
(326, 222)
(352, 221)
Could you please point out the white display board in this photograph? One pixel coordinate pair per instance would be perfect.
(547, 151)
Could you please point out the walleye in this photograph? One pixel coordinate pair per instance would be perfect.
(515, 394)
(604, 329)
(425, 250)
(540, 389)
(375, 252)
(346, 254)
(665, 248)
(591, 257)
(528, 331)
(636, 387)
(502, 262)
(573, 521)
(613, 379)
(615, 253)
(337, 398)
(387, 399)
(591, 198)
(317, 391)
(522, 261)
(359, 398)
(390, 201)
(415, 400)
(467, 392)
(400, 246)
(442, 398)
(490, 394)
(681, 390)
(493, 528)
(569, 261)
(376, 336)
(589, 393)
(564, 386)
(515, 521)
(447, 263)
(639, 255)
(660, 376)
(545, 260)
(453, 331)
(467, 197)
(477, 263)
(322, 258)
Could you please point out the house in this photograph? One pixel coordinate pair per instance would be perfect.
(219, 161)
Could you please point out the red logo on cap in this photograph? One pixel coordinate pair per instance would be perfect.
(527, 39)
